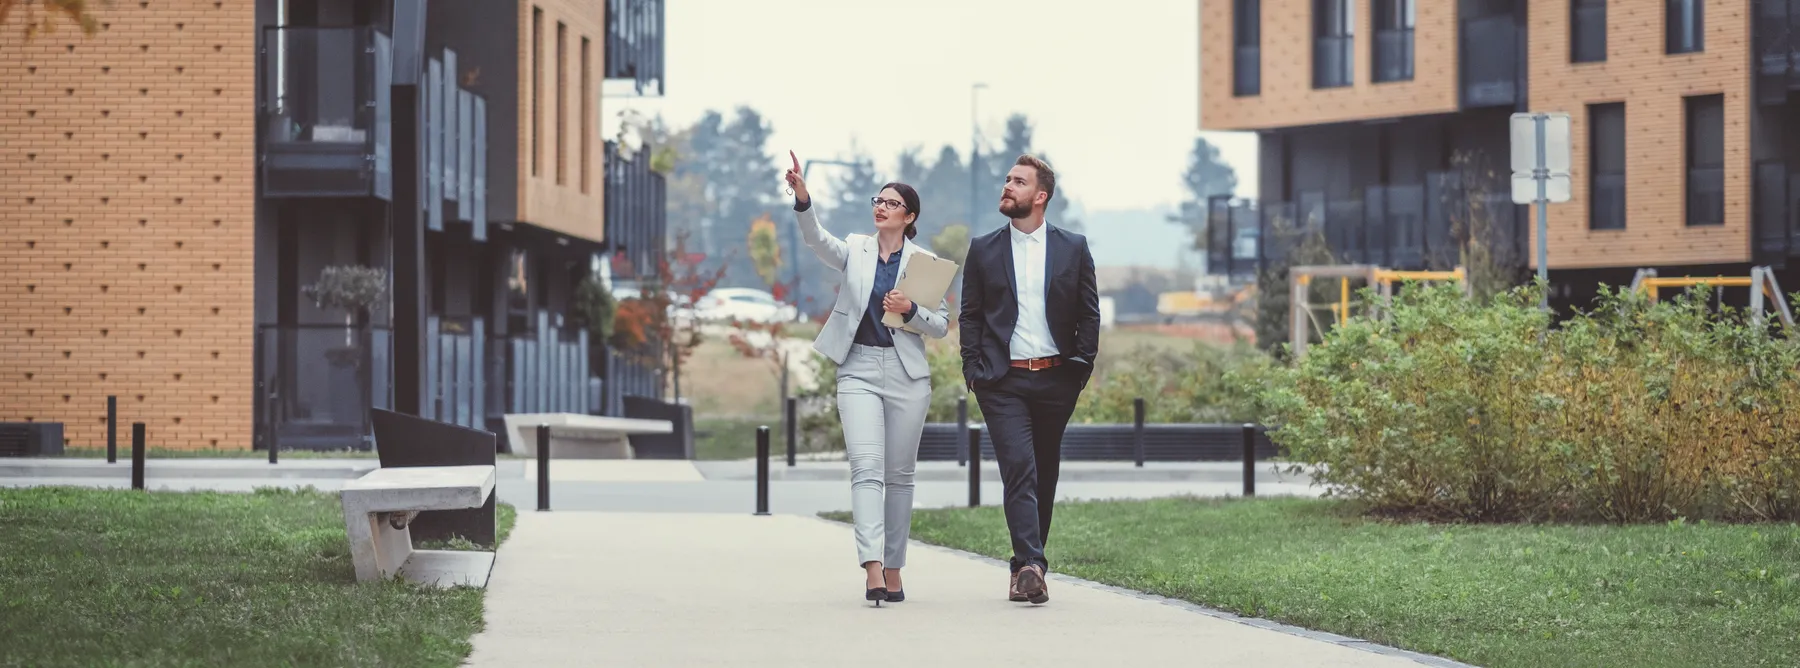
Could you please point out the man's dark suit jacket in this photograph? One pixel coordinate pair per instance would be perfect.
(990, 307)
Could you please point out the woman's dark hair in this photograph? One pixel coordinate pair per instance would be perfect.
(910, 198)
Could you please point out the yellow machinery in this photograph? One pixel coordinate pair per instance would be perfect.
(1302, 321)
(1761, 282)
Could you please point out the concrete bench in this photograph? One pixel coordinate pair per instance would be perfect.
(577, 436)
(379, 505)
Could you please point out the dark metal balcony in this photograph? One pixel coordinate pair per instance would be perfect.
(455, 149)
(634, 42)
(324, 112)
(456, 373)
(1393, 55)
(1333, 62)
(1772, 215)
(636, 214)
(1490, 62)
(1246, 71)
(550, 371)
(1606, 202)
(1405, 226)
(1777, 44)
(1705, 196)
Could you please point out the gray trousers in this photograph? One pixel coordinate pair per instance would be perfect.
(883, 411)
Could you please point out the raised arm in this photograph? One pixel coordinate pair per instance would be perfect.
(831, 250)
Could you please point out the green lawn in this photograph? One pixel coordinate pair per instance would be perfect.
(116, 578)
(1643, 596)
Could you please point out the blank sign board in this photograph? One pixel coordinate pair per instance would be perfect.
(1524, 188)
(1525, 143)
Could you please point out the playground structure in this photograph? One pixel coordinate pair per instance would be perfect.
(1303, 321)
(1761, 282)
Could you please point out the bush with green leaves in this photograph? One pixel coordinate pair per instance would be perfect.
(1636, 411)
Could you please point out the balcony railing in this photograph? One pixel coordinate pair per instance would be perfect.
(550, 374)
(1333, 62)
(455, 148)
(318, 382)
(1771, 217)
(1777, 43)
(455, 371)
(1606, 203)
(1402, 226)
(1490, 62)
(634, 42)
(1705, 196)
(636, 213)
(325, 112)
(1246, 71)
(1393, 55)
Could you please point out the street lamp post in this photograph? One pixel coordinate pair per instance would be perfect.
(974, 150)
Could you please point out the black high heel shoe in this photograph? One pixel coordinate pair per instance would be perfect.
(896, 596)
(878, 595)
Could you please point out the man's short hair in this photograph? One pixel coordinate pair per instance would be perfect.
(1046, 177)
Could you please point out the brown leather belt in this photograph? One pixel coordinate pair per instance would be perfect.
(1038, 364)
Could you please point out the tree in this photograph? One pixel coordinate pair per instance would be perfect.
(760, 340)
(642, 326)
(1207, 176)
(725, 180)
(43, 19)
(1290, 246)
(1488, 247)
(765, 250)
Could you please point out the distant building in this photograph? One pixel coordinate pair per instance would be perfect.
(1686, 143)
(170, 185)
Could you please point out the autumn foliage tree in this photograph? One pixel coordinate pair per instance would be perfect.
(762, 340)
(643, 328)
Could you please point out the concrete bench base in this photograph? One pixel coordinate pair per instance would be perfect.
(576, 436)
(379, 506)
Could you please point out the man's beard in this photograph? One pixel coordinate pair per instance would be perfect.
(1016, 211)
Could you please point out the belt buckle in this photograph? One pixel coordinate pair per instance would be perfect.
(1038, 364)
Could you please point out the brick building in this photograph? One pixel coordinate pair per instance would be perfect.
(1383, 121)
(170, 184)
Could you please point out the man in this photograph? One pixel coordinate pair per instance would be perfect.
(1030, 328)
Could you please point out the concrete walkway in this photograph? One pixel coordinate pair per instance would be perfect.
(664, 589)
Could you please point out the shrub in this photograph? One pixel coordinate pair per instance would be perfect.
(1633, 412)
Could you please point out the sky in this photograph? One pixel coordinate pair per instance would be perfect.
(1113, 94)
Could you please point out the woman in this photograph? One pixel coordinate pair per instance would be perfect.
(884, 382)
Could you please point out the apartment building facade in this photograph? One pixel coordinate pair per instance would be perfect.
(1385, 124)
(175, 184)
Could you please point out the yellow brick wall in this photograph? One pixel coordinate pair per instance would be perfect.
(1288, 98)
(126, 200)
(1652, 85)
(542, 201)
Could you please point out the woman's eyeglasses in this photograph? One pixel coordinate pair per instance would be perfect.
(884, 203)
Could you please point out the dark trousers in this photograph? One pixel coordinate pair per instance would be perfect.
(1026, 412)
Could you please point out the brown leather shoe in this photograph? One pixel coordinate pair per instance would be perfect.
(1032, 585)
(1012, 592)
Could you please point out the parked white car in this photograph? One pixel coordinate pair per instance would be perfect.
(744, 305)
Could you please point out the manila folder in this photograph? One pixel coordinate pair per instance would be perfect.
(926, 281)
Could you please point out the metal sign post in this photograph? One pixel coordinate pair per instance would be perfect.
(1540, 175)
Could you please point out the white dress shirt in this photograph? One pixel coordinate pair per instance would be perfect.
(1031, 336)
